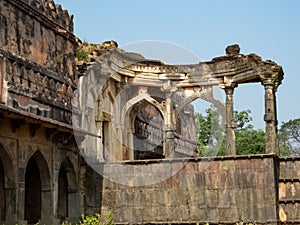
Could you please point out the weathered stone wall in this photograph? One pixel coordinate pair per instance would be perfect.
(37, 50)
(22, 141)
(225, 190)
(39, 31)
(38, 153)
(289, 190)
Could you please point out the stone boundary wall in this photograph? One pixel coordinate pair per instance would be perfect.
(289, 190)
(223, 190)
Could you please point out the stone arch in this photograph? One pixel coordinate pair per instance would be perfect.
(8, 168)
(129, 104)
(184, 116)
(67, 185)
(109, 126)
(146, 144)
(205, 95)
(43, 166)
(37, 188)
(71, 174)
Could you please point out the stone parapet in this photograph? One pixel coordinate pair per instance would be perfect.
(221, 190)
(49, 13)
(28, 31)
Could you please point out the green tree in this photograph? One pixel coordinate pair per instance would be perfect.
(211, 134)
(289, 138)
(243, 120)
(248, 139)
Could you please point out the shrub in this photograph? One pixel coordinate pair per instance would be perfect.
(96, 219)
(82, 55)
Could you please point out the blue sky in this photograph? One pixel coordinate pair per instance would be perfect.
(271, 29)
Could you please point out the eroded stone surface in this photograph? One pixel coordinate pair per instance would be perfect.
(40, 70)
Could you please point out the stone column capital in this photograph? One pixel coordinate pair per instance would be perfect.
(228, 87)
(229, 90)
(268, 81)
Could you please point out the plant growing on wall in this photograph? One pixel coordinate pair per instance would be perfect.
(59, 58)
(82, 55)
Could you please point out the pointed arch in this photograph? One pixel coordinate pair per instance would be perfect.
(62, 203)
(33, 202)
(37, 186)
(43, 168)
(142, 139)
(129, 104)
(8, 168)
(71, 174)
(67, 184)
(206, 95)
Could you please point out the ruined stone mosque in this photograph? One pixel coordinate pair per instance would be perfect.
(90, 128)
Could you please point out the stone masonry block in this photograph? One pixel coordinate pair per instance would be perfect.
(211, 198)
(225, 198)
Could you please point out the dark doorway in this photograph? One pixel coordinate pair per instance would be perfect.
(148, 132)
(2, 194)
(32, 192)
(62, 194)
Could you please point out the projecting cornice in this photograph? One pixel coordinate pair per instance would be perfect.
(238, 67)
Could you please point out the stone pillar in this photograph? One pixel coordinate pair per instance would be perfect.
(10, 195)
(169, 144)
(73, 206)
(230, 123)
(46, 206)
(21, 195)
(270, 116)
(56, 167)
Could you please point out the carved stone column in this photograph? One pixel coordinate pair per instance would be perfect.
(230, 123)
(169, 144)
(270, 116)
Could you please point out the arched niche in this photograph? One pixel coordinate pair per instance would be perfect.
(145, 123)
(108, 123)
(37, 189)
(67, 186)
